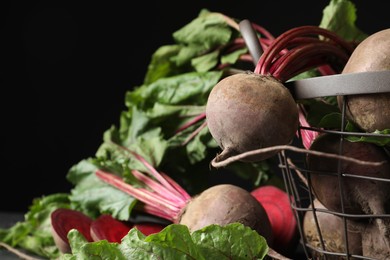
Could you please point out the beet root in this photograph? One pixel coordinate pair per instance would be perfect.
(359, 195)
(105, 227)
(331, 228)
(149, 228)
(249, 111)
(113, 230)
(373, 245)
(369, 112)
(63, 220)
(276, 203)
(224, 204)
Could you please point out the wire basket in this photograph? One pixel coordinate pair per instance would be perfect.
(350, 235)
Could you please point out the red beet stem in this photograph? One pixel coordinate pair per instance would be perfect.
(180, 189)
(164, 198)
(193, 121)
(299, 37)
(165, 193)
(155, 173)
(305, 57)
(169, 210)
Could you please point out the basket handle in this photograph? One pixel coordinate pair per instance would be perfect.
(370, 82)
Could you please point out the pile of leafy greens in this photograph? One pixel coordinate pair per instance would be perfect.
(165, 123)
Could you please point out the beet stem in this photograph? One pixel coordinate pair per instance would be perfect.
(193, 134)
(154, 172)
(147, 197)
(299, 36)
(191, 122)
(180, 189)
(165, 193)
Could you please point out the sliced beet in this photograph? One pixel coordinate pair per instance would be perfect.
(63, 220)
(149, 228)
(276, 203)
(108, 228)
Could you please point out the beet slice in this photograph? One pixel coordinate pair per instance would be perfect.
(63, 220)
(149, 228)
(276, 203)
(106, 227)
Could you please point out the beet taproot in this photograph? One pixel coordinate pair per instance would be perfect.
(276, 203)
(343, 186)
(105, 227)
(248, 111)
(373, 245)
(149, 228)
(63, 220)
(219, 204)
(331, 231)
(370, 112)
(224, 204)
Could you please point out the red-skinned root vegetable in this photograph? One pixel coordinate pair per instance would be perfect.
(369, 112)
(113, 230)
(149, 228)
(331, 228)
(359, 195)
(247, 111)
(373, 245)
(221, 204)
(105, 227)
(254, 110)
(276, 203)
(63, 220)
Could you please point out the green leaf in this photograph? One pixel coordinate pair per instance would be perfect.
(340, 16)
(80, 171)
(205, 62)
(185, 89)
(102, 249)
(232, 57)
(34, 232)
(93, 197)
(321, 114)
(162, 65)
(378, 140)
(330, 121)
(201, 35)
(233, 241)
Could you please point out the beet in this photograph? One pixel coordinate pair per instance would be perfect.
(149, 228)
(359, 195)
(373, 245)
(276, 203)
(224, 204)
(249, 111)
(105, 227)
(63, 220)
(369, 112)
(220, 204)
(243, 111)
(331, 228)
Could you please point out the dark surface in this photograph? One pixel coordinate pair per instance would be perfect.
(68, 65)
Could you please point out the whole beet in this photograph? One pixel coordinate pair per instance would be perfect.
(248, 111)
(331, 229)
(369, 112)
(224, 204)
(359, 195)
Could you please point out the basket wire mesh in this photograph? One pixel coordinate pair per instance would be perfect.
(297, 180)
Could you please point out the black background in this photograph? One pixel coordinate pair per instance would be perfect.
(66, 66)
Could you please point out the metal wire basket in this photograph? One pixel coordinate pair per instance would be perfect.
(352, 228)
